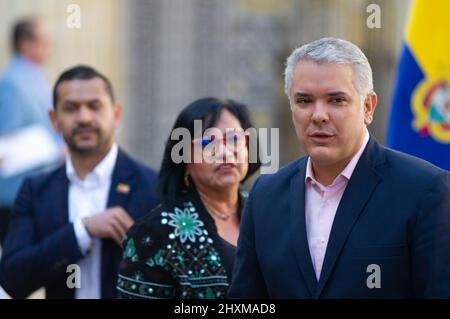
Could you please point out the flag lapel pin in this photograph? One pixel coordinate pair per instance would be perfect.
(123, 188)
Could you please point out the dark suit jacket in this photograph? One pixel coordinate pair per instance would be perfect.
(394, 213)
(41, 242)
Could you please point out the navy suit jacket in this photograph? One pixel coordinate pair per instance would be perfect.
(394, 213)
(41, 242)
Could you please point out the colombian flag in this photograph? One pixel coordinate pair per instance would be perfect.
(420, 113)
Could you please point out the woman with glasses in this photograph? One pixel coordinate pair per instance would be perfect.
(185, 247)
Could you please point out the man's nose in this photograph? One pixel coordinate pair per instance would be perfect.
(84, 115)
(320, 113)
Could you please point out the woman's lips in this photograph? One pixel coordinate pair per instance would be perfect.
(226, 167)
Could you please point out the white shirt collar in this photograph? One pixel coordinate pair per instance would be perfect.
(100, 174)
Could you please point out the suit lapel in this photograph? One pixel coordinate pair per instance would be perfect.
(298, 228)
(122, 182)
(122, 186)
(61, 195)
(358, 191)
(60, 212)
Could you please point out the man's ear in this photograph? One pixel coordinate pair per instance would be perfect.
(117, 114)
(53, 120)
(370, 103)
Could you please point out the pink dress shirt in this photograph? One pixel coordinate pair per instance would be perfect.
(321, 203)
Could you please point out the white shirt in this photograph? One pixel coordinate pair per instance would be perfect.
(89, 197)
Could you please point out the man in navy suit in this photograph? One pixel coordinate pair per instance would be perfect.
(67, 226)
(353, 219)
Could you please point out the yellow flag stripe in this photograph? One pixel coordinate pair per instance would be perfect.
(428, 35)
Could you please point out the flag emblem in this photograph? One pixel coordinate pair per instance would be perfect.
(431, 109)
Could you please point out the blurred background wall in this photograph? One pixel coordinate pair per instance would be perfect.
(163, 54)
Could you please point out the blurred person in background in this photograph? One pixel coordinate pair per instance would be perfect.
(185, 247)
(80, 212)
(25, 99)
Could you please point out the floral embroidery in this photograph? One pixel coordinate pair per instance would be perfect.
(132, 288)
(183, 263)
(186, 224)
(180, 257)
(138, 276)
(147, 241)
(130, 251)
(157, 260)
(213, 258)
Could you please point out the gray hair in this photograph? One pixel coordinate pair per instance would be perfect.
(332, 50)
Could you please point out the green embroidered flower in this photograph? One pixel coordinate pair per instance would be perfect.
(130, 250)
(150, 262)
(180, 257)
(213, 258)
(187, 225)
(157, 260)
(146, 241)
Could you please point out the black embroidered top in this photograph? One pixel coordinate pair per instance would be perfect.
(176, 252)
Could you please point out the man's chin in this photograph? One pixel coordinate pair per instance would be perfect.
(85, 148)
(321, 155)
